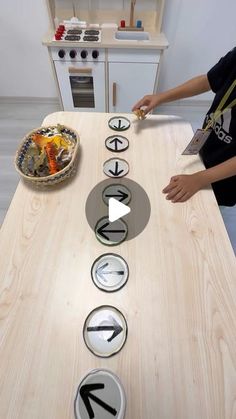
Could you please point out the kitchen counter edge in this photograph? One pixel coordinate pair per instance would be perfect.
(157, 41)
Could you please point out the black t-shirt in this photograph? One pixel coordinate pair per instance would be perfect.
(221, 144)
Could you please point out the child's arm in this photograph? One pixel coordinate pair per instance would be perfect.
(182, 187)
(195, 86)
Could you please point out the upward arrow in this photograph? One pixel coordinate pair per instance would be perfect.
(85, 393)
(116, 141)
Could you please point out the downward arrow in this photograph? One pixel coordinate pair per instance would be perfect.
(116, 172)
(119, 127)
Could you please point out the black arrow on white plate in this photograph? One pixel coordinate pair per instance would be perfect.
(120, 194)
(119, 127)
(85, 393)
(116, 172)
(116, 141)
(102, 230)
(101, 272)
(115, 328)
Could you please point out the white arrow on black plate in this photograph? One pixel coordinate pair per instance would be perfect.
(85, 393)
(115, 328)
(100, 271)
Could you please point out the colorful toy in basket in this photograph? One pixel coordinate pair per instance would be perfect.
(47, 155)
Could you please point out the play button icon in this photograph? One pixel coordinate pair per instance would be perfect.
(111, 200)
(117, 210)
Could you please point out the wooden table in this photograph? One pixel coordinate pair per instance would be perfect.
(179, 360)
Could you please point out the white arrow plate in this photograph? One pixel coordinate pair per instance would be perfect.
(116, 168)
(100, 395)
(119, 123)
(117, 143)
(117, 191)
(111, 233)
(110, 272)
(105, 331)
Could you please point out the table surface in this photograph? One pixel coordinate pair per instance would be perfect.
(179, 360)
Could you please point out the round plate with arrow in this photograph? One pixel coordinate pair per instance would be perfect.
(111, 233)
(105, 331)
(110, 272)
(117, 143)
(119, 192)
(100, 395)
(119, 123)
(116, 167)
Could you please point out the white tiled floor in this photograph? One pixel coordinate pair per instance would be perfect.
(16, 119)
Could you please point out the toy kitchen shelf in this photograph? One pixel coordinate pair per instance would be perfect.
(106, 70)
(100, 11)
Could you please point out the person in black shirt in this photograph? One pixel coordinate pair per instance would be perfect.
(219, 151)
(221, 144)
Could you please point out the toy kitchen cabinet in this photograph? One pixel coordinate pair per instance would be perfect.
(105, 55)
(132, 74)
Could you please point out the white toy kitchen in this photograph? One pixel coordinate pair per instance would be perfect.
(105, 54)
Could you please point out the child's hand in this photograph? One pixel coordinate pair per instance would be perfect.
(182, 187)
(149, 102)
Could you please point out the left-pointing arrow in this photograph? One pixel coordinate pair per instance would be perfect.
(85, 393)
(102, 230)
(101, 272)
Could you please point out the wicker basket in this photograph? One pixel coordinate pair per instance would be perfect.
(61, 175)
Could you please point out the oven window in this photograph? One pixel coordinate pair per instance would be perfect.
(82, 90)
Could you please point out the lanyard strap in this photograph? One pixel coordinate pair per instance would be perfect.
(219, 111)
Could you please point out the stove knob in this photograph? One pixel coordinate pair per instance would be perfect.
(73, 53)
(61, 53)
(84, 54)
(95, 54)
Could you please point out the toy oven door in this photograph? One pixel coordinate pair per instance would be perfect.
(82, 85)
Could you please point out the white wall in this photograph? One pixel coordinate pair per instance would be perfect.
(199, 33)
(106, 4)
(25, 67)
